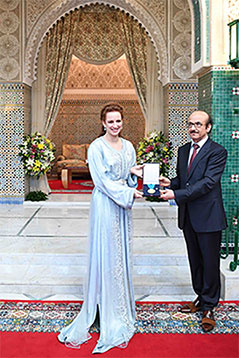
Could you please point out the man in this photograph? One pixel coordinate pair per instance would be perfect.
(197, 192)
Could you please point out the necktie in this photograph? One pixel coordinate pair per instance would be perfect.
(195, 148)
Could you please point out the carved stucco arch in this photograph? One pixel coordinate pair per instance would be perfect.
(58, 9)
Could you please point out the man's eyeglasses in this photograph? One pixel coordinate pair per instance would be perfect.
(196, 124)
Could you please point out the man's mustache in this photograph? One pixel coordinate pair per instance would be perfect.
(191, 132)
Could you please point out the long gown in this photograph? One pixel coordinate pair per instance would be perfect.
(109, 282)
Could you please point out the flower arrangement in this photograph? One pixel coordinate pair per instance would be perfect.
(155, 148)
(37, 153)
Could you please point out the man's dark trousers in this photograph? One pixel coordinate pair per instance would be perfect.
(204, 259)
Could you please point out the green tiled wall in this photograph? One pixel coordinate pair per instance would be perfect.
(216, 97)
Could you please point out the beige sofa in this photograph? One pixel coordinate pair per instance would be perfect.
(73, 156)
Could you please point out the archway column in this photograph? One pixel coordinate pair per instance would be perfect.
(15, 102)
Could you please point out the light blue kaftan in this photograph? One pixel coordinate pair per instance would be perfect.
(109, 283)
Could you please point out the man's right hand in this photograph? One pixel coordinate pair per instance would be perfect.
(164, 181)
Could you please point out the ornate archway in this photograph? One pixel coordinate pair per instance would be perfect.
(49, 17)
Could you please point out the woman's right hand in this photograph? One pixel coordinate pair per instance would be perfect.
(138, 194)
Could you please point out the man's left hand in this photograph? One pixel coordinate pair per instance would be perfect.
(167, 194)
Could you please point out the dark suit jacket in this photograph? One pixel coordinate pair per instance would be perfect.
(200, 191)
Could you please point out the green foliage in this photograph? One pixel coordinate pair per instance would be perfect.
(154, 198)
(36, 196)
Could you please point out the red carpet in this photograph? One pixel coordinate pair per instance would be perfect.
(76, 187)
(46, 345)
(18, 316)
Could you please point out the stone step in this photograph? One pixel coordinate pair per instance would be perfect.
(80, 260)
(73, 251)
(42, 280)
(55, 274)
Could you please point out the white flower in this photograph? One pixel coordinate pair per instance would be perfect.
(30, 162)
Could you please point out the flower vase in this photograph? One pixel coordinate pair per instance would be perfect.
(40, 184)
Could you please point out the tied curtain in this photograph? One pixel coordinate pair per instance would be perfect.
(59, 50)
(63, 41)
(135, 47)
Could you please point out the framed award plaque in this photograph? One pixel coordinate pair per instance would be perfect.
(151, 185)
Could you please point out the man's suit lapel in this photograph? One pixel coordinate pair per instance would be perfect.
(203, 151)
(185, 155)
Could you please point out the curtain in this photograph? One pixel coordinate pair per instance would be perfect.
(135, 47)
(59, 49)
(154, 110)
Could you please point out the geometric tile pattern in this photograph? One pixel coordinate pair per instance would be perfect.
(234, 178)
(235, 91)
(220, 101)
(235, 134)
(11, 135)
(182, 100)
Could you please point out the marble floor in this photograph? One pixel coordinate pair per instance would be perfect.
(43, 250)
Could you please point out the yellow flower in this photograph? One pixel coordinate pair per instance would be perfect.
(165, 149)
(50, 146)
(40, 146)
(140, 152)
(37, 163)
(35, 169)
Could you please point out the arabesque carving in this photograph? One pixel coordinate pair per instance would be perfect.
(181, 40)
(9, 40)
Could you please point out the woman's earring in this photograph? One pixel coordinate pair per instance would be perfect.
(104, 128)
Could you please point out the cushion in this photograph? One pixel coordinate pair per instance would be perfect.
(71, 163)
(74, 151)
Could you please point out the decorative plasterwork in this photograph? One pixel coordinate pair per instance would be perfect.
(181, 40)
(34, 8)
(59, 8)
(157, 9)
(9, 40)
(233, 10)
(83, 75)
(99, 34)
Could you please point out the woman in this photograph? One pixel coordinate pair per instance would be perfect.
(109, 287)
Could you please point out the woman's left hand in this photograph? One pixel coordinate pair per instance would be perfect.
(137, 170)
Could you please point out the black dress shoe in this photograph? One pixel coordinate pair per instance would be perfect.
(191, 307)
(208, 321)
